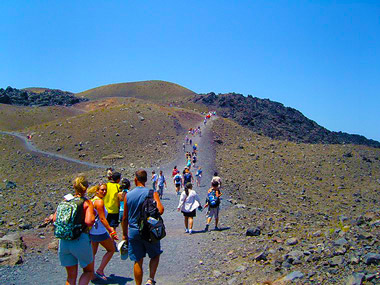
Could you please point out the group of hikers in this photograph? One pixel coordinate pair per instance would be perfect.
(90, 218)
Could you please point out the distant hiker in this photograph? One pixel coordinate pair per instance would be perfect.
(198, 176)
(175, 171)
(187, 139)
(101, 233)
(195, 148)
(194, 159)
(187, 177)
(138, 247)
(189, 202)
(109, 173)
(124, 187)
(74, 242)
(191, 141)
(188, 164)
(154, 180)
(184, 147)
(111, 200)
(217, 179)
(161, 184)
(178, 183)
(213, 202)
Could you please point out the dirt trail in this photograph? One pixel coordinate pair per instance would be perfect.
(32, 148)
(181, 251)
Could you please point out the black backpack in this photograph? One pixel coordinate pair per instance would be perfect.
(151, 224)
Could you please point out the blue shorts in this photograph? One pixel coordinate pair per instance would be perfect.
(72, 252)
(138, 248)
(99, 238)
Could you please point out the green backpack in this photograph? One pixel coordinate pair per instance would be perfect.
(69, 222)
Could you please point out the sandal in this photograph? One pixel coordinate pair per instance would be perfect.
(152, 282)
(101, 276)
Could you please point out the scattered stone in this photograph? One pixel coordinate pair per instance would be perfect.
(219, 141)
(253, 232)
(375, 223)
(11, 249)
(10, 185)
(294, 257)
(240, 206)
(292, 241)
(141, 118)
(336, 261)
(340, 242)
(355, 279)
(371, 258)
(232, 281)
(241, 269)
(293, 276)
(112, 156)
(260, 256)
(217, 273)
(317, 234)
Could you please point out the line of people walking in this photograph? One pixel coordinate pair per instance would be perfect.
(90, 217)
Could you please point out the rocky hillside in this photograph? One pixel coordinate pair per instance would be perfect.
(42, 97)
(152, 90)
(274, 120)
(308, 212)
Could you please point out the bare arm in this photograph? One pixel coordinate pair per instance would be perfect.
(89, 218)
(99, 206)
(160, 207)
(124, 222)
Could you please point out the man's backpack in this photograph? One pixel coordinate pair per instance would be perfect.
(69, 219)
(213, 200)
(177, 179)
(187, 177)
(151, 224)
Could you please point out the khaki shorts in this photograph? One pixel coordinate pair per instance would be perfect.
(213, 212)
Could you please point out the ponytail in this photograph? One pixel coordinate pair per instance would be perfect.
(80, 185)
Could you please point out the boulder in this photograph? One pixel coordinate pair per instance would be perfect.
(355, 279)
(371, 258)
(253, 232)
(11, 249)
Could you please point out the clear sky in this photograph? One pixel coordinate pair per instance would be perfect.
(320, 57)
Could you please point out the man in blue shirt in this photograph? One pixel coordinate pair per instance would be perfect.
(137, 247)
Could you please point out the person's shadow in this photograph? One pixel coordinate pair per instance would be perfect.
(204, 231)
(113, 279)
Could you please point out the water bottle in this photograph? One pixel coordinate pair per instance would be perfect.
(152, 221)
(200, 208)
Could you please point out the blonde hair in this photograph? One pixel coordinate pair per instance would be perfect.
(91, 192)
(80, 184)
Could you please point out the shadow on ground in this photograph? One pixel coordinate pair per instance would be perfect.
(113, 279)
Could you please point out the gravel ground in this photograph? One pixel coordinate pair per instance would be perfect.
(182, 253)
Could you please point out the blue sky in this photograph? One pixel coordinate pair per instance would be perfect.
(320, 57)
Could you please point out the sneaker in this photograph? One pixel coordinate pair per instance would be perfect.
(186, 231)
(206, 228)
(216, 229)
(123, 248)
(190, 232)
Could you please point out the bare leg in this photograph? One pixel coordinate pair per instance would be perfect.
(138, 271)
(72, 273)
(88, 273)
(216, 222)
(110, 247)
(208, 220)
(186, 222)
(191, 223)
(95, 246)
(153, 265)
